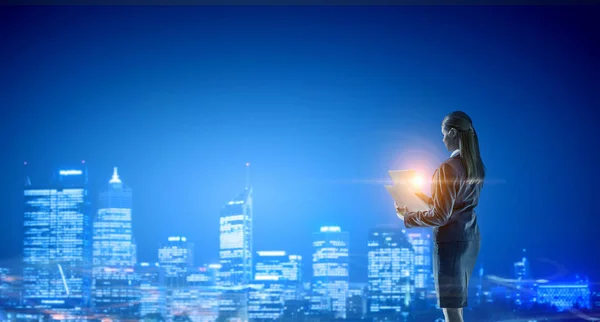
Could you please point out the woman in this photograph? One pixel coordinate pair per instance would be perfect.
(455, 193)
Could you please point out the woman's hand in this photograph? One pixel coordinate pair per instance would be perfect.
(400, 211)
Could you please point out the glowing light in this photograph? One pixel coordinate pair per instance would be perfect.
(541, 281)
(271, 253)
(266, 278)
(183, 239)
(418, 181)
(83, 161)
(247, 164)
(69, 172)
(144, 264)
(174, 238)
(62, 274)
(295, 257)
(564, 286)
(25, 163)
(214, 266)
(115, 176)
(331, 229)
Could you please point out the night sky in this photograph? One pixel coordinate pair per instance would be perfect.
(322, 101)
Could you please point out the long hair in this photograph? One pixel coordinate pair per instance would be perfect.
(468, 144)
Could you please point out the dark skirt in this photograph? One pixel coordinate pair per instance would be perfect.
(453, 263)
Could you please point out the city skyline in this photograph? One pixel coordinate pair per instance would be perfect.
(413, 234)
(399, 272)
(322, 102)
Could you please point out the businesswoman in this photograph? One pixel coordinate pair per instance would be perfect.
(455, 194)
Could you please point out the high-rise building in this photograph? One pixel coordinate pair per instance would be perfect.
(198, 300)
(152, 297)
(357, 301)
(564, 296)
(523, 292)
(277, 278)
(292, 274)
(236, 241)
(235, 253)
(115, 287)
(57, 254)
(390, 271)
(176, 260)
(420, 239)
(330, 272)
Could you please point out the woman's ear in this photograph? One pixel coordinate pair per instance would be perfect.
(452, 133)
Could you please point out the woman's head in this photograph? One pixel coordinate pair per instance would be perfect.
(460, 134)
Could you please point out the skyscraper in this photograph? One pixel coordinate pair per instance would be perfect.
(115, 288)
(57, 254)
(236, 240)
(235, 253)
(277, 279)
(357, 300)
(330, 272)
(391, 271)
(152, 297)
(175, 259)
(420, 239)
(523, 293)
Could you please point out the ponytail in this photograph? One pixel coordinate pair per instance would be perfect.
(469, 151)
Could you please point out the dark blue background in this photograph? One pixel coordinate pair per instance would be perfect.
(322, 101)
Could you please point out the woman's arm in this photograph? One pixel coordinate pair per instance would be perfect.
(443, 195)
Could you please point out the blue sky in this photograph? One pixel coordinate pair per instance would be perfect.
(322, 101)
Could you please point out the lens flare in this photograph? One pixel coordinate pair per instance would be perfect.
(418, 181)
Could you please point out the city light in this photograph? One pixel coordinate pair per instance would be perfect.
(70, 172)
(115, 177)
(331, 229)
(271, 253)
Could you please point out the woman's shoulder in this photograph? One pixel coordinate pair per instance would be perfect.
(455, 165)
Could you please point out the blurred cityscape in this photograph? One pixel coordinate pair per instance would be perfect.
(79, 264)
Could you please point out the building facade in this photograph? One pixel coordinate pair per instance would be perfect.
(115, 287)
(235, 253)
(329, 291)
(390, 271)
(57, 252)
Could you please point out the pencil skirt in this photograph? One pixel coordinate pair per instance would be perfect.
(453, 264)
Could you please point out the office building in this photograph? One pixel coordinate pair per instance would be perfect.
(57, 253)
(235, 253)
(330, 281)
(277, 278)
(115, 287)
(390, 271)
(175, 259)
(152, 295)
(420, 239)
